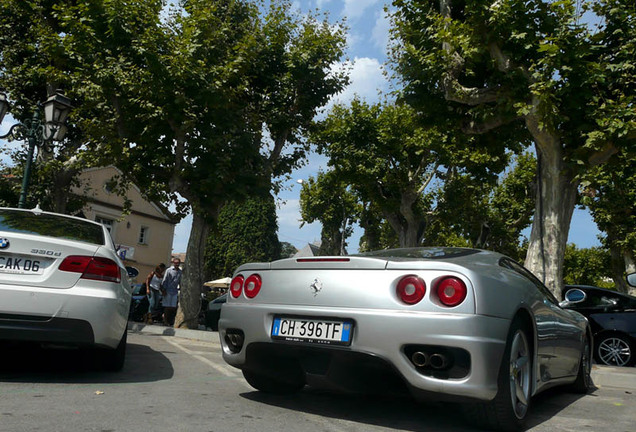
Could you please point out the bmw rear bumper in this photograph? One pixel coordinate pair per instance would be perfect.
(96, 314)
(385, 335)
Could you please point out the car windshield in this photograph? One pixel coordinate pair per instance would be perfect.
(421, 253)
(50, 225)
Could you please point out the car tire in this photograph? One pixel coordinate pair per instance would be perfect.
(508, 410)
(583, 382)
(112, 360)
(271, 384)
(614, 350)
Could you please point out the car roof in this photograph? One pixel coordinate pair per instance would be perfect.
(595, 288)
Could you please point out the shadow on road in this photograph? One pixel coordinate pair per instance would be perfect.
(403, 413)
(32, 363)
(551, 402)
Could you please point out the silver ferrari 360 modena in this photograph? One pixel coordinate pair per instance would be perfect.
(453, 324)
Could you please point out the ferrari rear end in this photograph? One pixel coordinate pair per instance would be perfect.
(362, 324)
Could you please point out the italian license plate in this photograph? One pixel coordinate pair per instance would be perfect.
(327, 332)
(18, 264)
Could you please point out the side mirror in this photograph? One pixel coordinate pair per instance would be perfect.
(132, 272)
(573, 296)
(631, 279)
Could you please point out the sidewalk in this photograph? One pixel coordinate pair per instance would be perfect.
(619, 377)
(603, 376)
(203, 335)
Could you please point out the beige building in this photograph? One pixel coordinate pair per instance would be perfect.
(144, 236)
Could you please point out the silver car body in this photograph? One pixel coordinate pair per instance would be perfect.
(362, 289)
(41, 303)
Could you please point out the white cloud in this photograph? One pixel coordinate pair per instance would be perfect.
(380, 32)
(354, 9)
(366, 80)
(322, 3)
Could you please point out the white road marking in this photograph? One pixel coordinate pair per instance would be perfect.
(219, 368)
(230, 372)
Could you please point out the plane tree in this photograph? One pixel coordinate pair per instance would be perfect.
(34, 67)
(528, 70)
(327, 199)
(395, 163)
(199, 104)
(610, 194)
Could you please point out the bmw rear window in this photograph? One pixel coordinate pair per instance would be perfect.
(50, 225)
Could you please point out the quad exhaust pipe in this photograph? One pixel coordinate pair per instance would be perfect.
(436, 361)
(420, 359)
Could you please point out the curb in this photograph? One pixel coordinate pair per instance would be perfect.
(610, 376)
(602, 376)
(202, 335)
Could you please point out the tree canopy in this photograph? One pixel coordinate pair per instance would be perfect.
(200, 104)
(522, 71)
(245, 232)
(327, 199)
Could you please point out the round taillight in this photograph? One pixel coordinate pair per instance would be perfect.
(451, 291)
(236, 286)
(411, 289)
(252, 285)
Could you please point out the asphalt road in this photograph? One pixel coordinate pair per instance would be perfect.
(176, 384)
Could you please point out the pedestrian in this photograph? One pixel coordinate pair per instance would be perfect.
(170, 291)
(153, 282)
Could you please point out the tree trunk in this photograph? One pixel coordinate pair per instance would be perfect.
(62, 191)
(556, 197)
(617, 263)
(630, 267)
(192, 278)
(407, 224)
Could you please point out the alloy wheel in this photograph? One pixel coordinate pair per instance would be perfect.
(520, 374)
(614, 351)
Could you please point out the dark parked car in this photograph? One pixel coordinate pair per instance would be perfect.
(139, 304)
(612, 316)
(213, 312)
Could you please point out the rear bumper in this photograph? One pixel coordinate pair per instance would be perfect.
(95, 314)
(52, 330)
(386, 336)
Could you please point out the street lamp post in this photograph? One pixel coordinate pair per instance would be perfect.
(56, 109)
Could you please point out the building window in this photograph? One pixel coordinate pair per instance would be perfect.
(143, 235)
(108, 223)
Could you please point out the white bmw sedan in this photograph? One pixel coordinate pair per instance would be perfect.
(62, 283)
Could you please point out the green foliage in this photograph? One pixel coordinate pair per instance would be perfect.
(587, 267)
(245, 232)
(198, 106)
(9, 187)
(327, 199)
(610, 194)
(426, 185)
(519, 71)
(287, 250)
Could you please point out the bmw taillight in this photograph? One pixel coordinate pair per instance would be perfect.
(94, 268)
(411, 289)
(252, 285)
(451, 291)
(236, 286)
